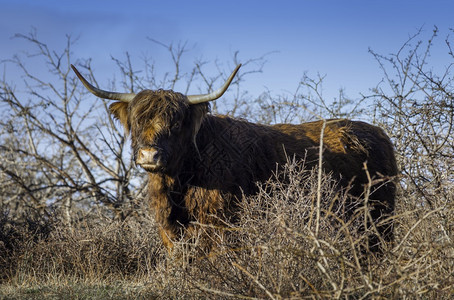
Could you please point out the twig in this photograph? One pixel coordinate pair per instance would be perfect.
(254, 279)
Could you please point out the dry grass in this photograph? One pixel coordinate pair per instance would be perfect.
(274, 251)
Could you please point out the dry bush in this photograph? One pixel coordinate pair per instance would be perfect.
(274, 248)
(281, 248)
(89, 251)
(414, 103)
(278, 248)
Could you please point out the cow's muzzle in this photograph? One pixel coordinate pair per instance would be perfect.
(151, 159)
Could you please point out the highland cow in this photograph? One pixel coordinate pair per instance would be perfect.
(199, 165)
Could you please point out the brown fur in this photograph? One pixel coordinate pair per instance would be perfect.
(212, 160)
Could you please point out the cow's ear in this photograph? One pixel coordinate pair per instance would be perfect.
(198, 113)
(120, 112)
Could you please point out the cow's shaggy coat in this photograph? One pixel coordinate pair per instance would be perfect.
(209, 161)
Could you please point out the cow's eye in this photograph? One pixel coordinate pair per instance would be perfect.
(176, 126)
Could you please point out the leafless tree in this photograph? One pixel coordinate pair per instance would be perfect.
(415, 103)
(55, 153)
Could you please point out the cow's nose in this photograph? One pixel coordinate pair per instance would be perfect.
(150, 159)
(147, 156)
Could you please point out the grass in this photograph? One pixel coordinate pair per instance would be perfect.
(78, 290)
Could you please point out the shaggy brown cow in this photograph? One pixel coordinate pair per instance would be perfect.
(199, 164)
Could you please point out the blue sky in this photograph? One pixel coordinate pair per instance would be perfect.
(326, 37)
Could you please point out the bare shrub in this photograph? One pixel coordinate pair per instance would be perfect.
(414, 103)
(55, 154)
(88, 251)
(281, 247)
(274, 250)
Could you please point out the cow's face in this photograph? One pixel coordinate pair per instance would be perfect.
(163, 126)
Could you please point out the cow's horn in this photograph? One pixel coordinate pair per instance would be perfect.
(124, 97)
(194, 99)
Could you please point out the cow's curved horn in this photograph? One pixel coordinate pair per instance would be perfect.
(194, 99)
(124, 97)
